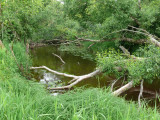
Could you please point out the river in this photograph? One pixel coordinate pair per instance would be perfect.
(78, 66)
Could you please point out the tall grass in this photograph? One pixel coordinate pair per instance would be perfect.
(21, 99)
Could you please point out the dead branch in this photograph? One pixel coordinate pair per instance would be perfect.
(151, 38)
(80, 78)
(91, 45)
(123, 88)
(90, 40)
(125, 51)
(75, 81)
(55, 72)
(154, 41)
(140, 94)
(114, 82)
(140, 41)
(59, 57)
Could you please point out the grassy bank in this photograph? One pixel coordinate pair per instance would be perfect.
(21, 99)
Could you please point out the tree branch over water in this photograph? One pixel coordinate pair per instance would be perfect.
(59, 57)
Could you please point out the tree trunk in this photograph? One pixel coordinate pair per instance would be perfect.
(123, 89)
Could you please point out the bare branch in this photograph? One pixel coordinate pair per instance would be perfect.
(90, 40)
(55, 72)
(59, 57)
(91, 45)
(125, 51)
(114, 82)
(76, 79)
(80, 78)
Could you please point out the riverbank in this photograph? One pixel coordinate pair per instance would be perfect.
(24, 99)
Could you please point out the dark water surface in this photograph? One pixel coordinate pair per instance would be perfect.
(78, 66)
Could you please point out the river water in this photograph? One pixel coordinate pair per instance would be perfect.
(78, 66)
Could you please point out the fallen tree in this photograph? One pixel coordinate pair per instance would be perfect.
(77, 79)
(151, 39)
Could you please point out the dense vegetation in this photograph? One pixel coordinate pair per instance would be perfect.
(90, 27)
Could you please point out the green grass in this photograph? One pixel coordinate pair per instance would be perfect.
(21, 99)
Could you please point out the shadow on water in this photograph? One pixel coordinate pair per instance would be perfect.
(78, 66)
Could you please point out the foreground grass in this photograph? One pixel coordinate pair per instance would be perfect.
(21, 99)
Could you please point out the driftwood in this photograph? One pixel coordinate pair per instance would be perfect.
(59, 57)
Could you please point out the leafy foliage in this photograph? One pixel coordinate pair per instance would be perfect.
(146, 68)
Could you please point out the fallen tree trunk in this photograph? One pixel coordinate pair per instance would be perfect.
(154, 41)
(140, 41)
(123, 88)
(151, 38)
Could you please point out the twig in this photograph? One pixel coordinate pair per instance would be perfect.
(59, 57)
(91, 45)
